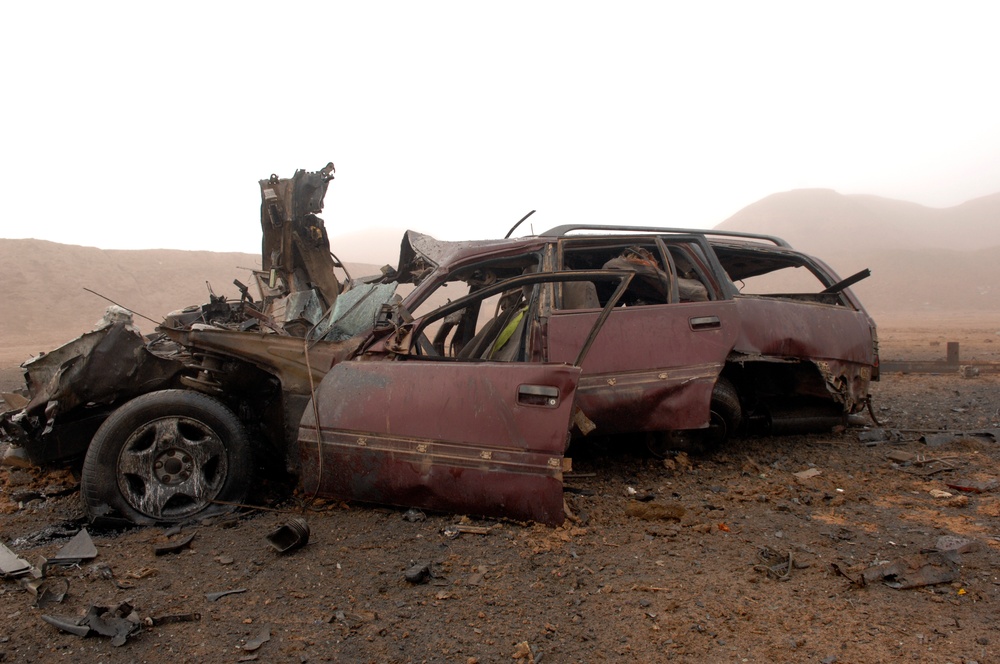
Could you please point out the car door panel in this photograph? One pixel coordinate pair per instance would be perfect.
(653, 366)
(481, 438)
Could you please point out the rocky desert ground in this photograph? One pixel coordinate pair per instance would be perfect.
(772, 549)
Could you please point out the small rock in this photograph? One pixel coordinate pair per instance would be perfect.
(956, 544)
(419, 573)
(957, 501)
(523, 651)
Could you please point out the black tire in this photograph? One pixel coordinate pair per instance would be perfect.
(726, 418)
(165, 457)
(727, 412)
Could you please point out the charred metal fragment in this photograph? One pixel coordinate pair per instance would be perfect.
(73, 387)
(296, 247)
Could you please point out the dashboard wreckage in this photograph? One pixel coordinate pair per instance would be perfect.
(462, 395)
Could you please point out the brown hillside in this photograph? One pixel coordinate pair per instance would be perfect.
(45, 303)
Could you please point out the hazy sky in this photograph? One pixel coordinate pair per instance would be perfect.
(144, 125)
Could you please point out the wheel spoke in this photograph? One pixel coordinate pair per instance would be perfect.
(203, 451)
(154, 497)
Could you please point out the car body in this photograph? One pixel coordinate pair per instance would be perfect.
(462, 394)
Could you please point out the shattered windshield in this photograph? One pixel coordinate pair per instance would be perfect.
(354, 312)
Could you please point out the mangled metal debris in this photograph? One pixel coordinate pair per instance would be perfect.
(927, 568)
(74, 552)
(216, 596)
(290, 535)
(174, 546)
(12, 565)
(255, 642)
(49, 592)
(118, 623)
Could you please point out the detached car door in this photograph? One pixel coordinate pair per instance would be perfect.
(440, 431)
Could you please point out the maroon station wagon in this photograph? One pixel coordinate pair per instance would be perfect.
(455, 381)
(694, 346)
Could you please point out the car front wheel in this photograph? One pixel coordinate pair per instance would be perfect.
(167, 457)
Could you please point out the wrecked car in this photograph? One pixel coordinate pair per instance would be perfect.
(453, 381)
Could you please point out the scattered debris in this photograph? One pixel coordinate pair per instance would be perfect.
(776, 565)
(973, 486)
(78, 549)
(214, 597)
(951, 543)
(174, 546)
(873, 437)
(118, 623)
(290, 535)
(939, 439)
(926, 465)
(922, 569)
(808, 473)
(169, 618)
(262, 637)
(11, 564)
(456, 529)
(48, 591)
(141, 573)
(413, 515)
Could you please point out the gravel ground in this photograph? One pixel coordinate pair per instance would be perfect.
(733, 558)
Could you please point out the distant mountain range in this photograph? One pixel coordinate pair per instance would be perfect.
(922, 260)
(821, 220)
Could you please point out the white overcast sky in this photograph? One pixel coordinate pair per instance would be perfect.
(148, 125)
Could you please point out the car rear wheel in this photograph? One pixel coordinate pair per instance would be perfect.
(167, 457)
(725, 418)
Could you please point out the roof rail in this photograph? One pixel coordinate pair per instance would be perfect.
(560, 231)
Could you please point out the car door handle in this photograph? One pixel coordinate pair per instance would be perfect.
(705, 323)
(538, 395)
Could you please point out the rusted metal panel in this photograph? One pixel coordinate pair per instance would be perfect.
(479, 438)
(786, 328)
(838, 341)
(652, 366)
(649, 400)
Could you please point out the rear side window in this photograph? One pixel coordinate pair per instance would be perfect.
(663, 274)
